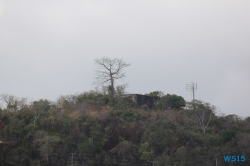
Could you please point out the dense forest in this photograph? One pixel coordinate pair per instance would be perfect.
(93, 129)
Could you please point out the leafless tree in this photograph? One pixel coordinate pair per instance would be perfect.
(203, 112)
(39, 107)
(108, 71)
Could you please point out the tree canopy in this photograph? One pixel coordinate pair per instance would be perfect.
(84, 130)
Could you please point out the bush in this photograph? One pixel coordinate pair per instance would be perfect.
(173, 102)
(228, 135)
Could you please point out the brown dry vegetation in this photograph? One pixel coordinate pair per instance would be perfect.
(101, 134)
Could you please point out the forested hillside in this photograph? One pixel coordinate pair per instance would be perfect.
(90, 129)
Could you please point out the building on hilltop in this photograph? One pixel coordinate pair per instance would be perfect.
(139, 99)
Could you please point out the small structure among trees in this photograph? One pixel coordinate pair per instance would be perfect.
(139, 99)
(155, 100)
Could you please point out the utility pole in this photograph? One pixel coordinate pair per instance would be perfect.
(71, 159)
(153, 163)
(191, 88)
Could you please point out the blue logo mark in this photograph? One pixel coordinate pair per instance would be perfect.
(238, 158)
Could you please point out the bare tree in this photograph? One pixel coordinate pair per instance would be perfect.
(39, 107)
(203, 112)
(108, 71)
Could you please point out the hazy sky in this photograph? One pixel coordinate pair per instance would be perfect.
(47, 48)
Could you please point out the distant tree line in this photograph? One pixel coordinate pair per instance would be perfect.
(84, 129)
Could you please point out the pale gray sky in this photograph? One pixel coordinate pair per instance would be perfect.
(47, 48)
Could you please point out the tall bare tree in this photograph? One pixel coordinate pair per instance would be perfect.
(108, 71)
(203, 112)
(39, 107)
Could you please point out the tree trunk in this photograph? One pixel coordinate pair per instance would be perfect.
(112, 89)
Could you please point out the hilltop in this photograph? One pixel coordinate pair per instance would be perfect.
(87, 129)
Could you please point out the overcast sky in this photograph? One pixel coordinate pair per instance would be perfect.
(47, 48)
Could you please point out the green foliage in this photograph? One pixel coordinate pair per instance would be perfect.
(93, 98)
(156, 95)
(173, 101)
(46, 145)
(202, 113)
(12, 106)
(228, 135)
(128, 115)
(97, 136)
(120, 89)
(112, 136)
(247, 119)
(145, 152)
(41, 104)
(168, 101)
(124, 104)
(124, 148)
